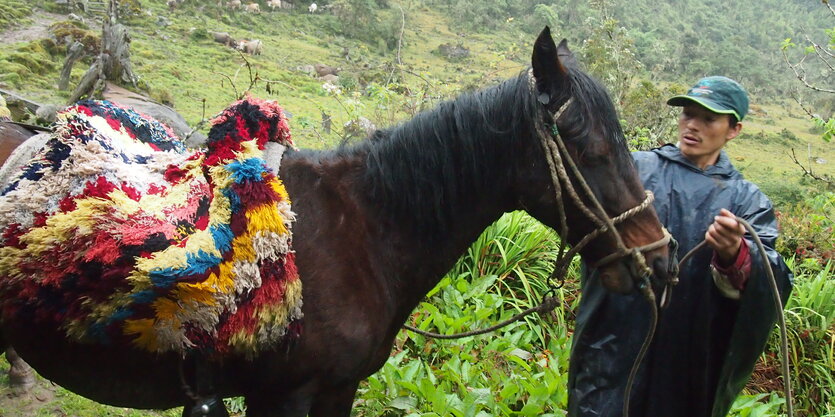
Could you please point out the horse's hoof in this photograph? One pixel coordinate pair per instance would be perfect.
(21, 381)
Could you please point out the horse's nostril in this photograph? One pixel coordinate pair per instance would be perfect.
(665, 271)
(659, 267)
(616, 278)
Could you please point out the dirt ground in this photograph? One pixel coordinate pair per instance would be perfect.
(40, 397)
(36, 29)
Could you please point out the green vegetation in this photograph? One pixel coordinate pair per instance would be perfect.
(13, 11)
(644, 51)
(520, 370)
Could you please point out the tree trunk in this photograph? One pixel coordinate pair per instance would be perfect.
(113, 63)
(73, 53)
(88, 82)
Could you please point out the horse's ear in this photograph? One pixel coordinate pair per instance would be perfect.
(565, 55)
(550, 72)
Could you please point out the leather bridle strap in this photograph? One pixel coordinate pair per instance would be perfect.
(557, 157)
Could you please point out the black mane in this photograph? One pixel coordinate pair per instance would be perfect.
(432, 165)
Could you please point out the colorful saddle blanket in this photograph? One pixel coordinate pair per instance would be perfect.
(114, 233)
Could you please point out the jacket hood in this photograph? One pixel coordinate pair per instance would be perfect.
(723, 167)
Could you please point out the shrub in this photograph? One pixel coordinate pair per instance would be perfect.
(67, 32)
(199, 34)
(807, 229)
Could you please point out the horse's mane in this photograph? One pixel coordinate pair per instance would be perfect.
(430, 166)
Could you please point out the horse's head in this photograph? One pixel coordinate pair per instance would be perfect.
(585, 155)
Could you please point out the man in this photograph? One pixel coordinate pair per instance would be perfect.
(722, 310)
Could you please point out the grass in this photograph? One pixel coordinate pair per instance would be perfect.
(762, 152)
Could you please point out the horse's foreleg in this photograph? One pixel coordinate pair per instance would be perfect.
(21, 375)
(268, 404)
(335, 402)
(211, 407)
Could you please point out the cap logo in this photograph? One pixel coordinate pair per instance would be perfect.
(701, 90)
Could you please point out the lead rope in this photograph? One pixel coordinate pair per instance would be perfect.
(778, 304)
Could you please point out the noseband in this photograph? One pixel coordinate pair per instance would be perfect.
(557, 156)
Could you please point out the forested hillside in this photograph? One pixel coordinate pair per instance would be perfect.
(673, 40)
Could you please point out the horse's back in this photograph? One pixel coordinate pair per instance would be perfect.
(12, 136)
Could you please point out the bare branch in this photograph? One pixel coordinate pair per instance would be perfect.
(827, 56)
(402, 28)
(801, 74)
(796, 97)
(235, 89)
(808, 171)
(202, 121)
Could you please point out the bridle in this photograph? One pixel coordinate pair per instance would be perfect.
(557, 156)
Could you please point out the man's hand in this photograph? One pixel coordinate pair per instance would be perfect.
(725, 236)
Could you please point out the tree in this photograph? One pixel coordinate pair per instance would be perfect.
(113, 63)
(815, 69)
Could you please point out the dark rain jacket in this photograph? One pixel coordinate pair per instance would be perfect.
(706, 344)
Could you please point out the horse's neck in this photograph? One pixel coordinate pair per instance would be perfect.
(428, 199)
(397, 211)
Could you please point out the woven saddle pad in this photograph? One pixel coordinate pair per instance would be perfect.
(116, 234)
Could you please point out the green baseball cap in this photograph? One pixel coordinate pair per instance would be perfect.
(718, 94)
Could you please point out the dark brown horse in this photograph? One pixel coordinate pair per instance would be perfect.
(378, 225)
(11, 136)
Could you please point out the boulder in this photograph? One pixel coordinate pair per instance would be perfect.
(161, 112)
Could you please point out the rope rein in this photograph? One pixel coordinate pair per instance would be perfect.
(547, 304)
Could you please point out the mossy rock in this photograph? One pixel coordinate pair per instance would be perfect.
(67, 32)
(9, 67)
(11, 78)
(13, 12)
(33, 62)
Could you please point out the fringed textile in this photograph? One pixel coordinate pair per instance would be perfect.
(114, 233)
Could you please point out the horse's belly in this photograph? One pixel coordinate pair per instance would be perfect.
(123, 377)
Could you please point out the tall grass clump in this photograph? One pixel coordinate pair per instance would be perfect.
(520, 370)
(810, 317)
(810, 321)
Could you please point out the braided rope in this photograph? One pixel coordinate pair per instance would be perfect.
(778, 304)
(547, 304)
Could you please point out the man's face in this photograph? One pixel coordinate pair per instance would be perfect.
(702, 134)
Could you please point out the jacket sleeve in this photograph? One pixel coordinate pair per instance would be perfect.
(757, 311)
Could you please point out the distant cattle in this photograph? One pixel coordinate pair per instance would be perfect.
(312, 8)
(253, 47)
(253, 8)
(330, 78)
(322, 70)
(234, 4)
(224, 38)
(274, 4)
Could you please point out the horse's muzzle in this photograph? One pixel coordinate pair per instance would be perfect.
(624, 275)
